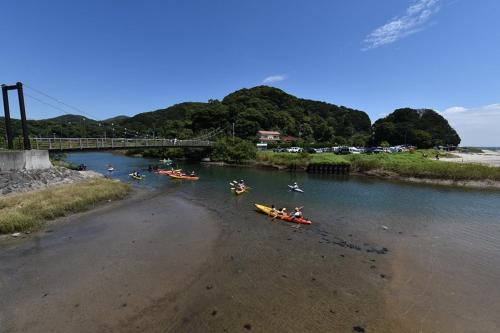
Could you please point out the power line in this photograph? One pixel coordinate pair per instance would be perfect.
(48, 104)
(60, 102)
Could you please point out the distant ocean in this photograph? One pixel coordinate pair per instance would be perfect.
(491, 148)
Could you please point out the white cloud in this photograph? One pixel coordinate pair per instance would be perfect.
(274, 78)
(477, 126)
(455, 109)
(414, 20)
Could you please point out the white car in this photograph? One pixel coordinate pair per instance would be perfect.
(294, 150)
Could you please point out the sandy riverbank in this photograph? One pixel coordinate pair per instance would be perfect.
(97, 269)
(157, 263)
(488, 157)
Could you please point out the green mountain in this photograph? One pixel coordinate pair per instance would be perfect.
(423, 128)
(116, 119)
(254, 109)
(258, 108)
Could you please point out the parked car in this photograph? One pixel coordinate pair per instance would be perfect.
(280, 150)
(314, 150)
(348, 150)
(295, 150)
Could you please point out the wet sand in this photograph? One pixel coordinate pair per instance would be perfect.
(93, 271)
(143, 266)
(269, 276)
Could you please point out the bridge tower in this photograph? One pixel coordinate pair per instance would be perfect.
(8, 126)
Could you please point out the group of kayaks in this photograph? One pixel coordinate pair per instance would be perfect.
(238, 188)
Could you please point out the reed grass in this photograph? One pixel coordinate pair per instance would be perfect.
(419, 164)
(27, 211)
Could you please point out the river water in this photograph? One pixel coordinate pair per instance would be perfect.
(408, 257)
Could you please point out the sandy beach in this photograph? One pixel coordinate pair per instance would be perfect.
(488, 157)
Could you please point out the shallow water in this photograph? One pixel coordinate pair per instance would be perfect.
(443, 266)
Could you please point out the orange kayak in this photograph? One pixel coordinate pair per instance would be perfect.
(268, 211)
(167, 172)
(184, 177)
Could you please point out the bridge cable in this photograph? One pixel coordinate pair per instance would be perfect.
(61, 102)
(48, 104)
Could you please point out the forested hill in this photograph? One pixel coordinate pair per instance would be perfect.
(423, 128)
(258, 108)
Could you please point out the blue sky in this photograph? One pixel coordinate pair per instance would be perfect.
(125, 57)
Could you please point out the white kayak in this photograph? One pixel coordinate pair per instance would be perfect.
(295, 189)
(111, 169)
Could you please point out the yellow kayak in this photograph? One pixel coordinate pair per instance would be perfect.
(136, 177)
(238, 192)
(268, 211)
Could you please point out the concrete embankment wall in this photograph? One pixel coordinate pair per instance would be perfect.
(15, 160)
(329, 168)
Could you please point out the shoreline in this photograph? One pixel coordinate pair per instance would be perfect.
(379, 174)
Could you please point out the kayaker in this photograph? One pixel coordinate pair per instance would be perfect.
(193, 174)
(295, 186)
(274, 212)
(298, 213)
(241, 185)
(282, 212)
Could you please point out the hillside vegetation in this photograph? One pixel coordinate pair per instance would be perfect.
(422, 128)
(259, 108)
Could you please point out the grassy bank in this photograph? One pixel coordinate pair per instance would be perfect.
(419, 164)
(28, 211)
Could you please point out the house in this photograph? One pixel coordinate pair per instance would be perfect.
(288, 139)
(269, 136)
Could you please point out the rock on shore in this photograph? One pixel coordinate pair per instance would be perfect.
(29, 180)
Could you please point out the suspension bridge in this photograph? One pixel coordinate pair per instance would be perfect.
(84, 143)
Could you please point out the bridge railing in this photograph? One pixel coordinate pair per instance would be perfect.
(111, 143)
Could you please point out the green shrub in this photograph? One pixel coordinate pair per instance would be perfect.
(233, 150)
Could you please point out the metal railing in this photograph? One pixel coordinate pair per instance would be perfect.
(111, 143)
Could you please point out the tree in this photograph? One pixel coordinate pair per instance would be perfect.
(423, 128)
(233, 150)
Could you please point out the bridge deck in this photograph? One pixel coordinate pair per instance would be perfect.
(112, 143)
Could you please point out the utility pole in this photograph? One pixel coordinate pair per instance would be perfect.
(233, 131)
